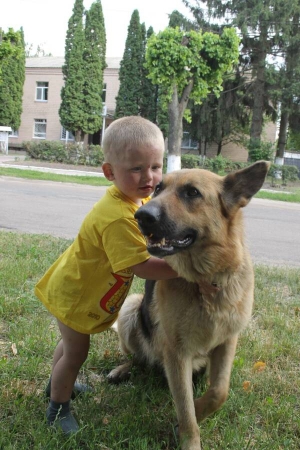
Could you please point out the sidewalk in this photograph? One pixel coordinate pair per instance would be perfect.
(16, 160)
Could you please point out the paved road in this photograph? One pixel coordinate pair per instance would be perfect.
(42, 207)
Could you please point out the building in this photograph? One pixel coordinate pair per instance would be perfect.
(41, 100)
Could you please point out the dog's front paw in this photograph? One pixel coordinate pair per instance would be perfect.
(120, 373)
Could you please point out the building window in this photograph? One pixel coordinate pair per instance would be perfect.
(187, 142)
(104, 93)
(42, 91)
(40, 126)
(13, 133)
(66, 135)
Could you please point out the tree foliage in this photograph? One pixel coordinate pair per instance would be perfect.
(71, 109)
(81, 106)
(12, 77)
(194, 58)
(94, 65)
(266, 28)
(222, 119)
(188, 65)
(149, 91)
(128, 100)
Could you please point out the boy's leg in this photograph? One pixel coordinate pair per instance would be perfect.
(70, 354)
(73, 348)
(78, 387)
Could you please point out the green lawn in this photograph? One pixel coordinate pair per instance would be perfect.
(37, 175)
(262, 412)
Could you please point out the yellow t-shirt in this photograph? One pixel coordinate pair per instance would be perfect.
(88, 283)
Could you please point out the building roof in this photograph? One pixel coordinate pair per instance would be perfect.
(58, 61)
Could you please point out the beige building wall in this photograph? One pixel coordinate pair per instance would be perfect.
(49, 69)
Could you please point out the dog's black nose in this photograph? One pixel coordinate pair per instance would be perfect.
(148, 214)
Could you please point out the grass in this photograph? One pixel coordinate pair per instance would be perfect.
(263, 409)
(37, 175)
(293, 197)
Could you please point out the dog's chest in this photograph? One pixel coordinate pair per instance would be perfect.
(199, 326)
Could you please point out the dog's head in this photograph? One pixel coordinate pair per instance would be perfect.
(195, 207)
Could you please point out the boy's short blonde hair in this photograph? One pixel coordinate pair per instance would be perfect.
(129, 133)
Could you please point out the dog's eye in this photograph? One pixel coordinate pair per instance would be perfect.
(192, 192)
(157, 189)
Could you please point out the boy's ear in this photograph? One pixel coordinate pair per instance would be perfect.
(108, 171)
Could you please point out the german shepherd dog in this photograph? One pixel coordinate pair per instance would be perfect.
(195, 222)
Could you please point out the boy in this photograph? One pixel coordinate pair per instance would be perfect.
(85, 288)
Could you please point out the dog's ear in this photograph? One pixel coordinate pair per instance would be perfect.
(240, 186)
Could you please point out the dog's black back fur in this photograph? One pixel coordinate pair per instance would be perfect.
(147, 324)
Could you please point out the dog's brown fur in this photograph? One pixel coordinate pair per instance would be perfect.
(193, 321)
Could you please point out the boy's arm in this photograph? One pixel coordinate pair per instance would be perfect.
(154, 269)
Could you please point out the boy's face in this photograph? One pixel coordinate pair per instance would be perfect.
(138, 172)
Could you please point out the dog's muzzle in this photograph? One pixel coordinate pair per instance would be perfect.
(161, 233)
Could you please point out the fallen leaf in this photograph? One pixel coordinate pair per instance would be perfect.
(247, 386)
(259, 366)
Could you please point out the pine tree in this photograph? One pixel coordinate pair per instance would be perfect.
(94, 64)
(12, 78)
(149, 91)
(71, 109)
(130, 74)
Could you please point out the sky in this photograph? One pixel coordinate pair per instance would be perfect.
(45, 22)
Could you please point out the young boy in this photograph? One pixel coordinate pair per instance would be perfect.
(85, 288)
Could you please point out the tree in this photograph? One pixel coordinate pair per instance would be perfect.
(71, 110)
(289, 85)
(263, 24)
(220, 118)
(130, 73)
(12, 77)
(188, 65)
(224, 118)
(94, 65)
(149, 91)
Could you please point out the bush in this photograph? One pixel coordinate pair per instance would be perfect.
(218, 164)
(288, 173)
(53, 151)
(190, 161)
(222, 165)
(260, 150)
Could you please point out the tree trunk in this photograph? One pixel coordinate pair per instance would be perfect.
(259, 88)
(78, 136)
(282, 137)
(176, 110)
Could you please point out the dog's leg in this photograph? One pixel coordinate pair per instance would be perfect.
(221, 361)
(179, 374)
